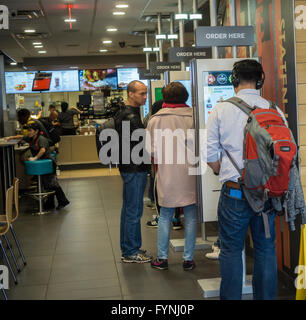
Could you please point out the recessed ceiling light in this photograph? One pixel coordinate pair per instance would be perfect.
(36, 43)
(107, 41)
(38, 46)
(43, 51)
(119, 66)
(111, 29)
(122, 5)
(70, 20)
(13, 63)
(29, 31)
(118, 13)
(103, 50)
(73, 67)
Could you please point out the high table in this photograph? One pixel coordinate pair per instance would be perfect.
(7, 169)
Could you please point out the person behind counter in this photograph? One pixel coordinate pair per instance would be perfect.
(39, 147)
(65, 118)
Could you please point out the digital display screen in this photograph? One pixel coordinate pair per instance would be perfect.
(187, 85)
(158, 94)
(42, 81)
(146, 107)
(19, 82)
(217, 88)
(126, 75)
(64, 81)
(98, 79)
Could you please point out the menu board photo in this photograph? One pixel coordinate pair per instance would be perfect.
(217, 88)
(42, 81)
(98, 79)
(19, 82)
(125, 76)
(64, 81)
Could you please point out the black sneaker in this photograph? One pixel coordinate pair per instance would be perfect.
(188, 265)
(177, 224)
(62, 205)
(137, 258)
(153, 223)
(161, 264)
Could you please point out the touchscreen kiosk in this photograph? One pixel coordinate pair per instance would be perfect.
(156, 89)
(211, 83)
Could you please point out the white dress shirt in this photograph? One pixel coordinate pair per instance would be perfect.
(225, 131)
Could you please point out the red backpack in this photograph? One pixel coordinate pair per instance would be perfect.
(269, 152)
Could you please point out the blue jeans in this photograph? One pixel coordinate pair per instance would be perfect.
(235, 215)
(164, 225)
(132, 207)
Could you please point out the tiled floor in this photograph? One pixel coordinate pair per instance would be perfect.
(75, 253)
(88, 173)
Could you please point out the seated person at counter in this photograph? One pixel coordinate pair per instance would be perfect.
(65, 118)
(39, 147)
(52, 119)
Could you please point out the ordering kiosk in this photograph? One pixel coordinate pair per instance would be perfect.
(156, 90)
(211, 84)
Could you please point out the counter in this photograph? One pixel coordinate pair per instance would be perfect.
(78, 149)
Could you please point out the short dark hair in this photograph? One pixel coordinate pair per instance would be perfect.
(52, 106)
(248, 70)
(35, 126)
(64, 106)
(132, 86)
(23, 115)
(175, 92)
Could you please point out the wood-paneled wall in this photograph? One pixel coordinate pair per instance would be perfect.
(301, 84)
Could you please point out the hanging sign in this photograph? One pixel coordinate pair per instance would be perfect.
(4, 17)
(185, 54)
(224, 36)
(160, 67)
(145, 74)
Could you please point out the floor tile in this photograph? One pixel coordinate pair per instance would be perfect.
(27, 293)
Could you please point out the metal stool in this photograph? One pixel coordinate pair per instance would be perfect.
(38, 168)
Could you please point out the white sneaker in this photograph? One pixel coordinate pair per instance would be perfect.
(213, 255)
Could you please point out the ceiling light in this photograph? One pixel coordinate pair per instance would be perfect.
(181, 16)
(70, 20)
(107, 41)
(160, 37)
(147, 49)
(29, 31)
(118, 13)
(36, 43)
(119, 66)
(73, 67)
(111, 29)
(122, 5)
(156, 49)
(172, 36)
(195, 16)
(13, 63)
(38, 46)
(42, 51)
(103, 50)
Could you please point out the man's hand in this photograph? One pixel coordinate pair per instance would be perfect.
(215, 167)
(32, 159)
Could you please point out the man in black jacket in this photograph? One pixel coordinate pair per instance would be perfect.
(134, 176)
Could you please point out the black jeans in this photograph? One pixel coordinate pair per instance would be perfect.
(50, 183)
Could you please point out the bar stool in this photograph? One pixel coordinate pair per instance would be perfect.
(5, 221)
(38, 168)
(15, 216)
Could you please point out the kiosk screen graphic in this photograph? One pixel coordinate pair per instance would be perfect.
(217, 88)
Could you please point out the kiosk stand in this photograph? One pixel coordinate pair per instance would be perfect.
(211, 84)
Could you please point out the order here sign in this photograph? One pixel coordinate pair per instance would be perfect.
(185, 54)
(224, 36)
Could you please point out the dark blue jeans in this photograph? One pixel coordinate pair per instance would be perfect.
(132, 206)
(235, 215)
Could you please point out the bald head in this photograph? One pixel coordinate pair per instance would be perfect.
(137, 93)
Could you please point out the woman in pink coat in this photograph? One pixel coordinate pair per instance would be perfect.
(176, 179)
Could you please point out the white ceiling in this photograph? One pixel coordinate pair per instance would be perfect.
(86, 36)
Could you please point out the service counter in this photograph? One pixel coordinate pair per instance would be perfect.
(78, 149)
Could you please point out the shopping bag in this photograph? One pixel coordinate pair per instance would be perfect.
(300, 282)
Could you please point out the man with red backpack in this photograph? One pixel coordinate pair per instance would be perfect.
(252, 157)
